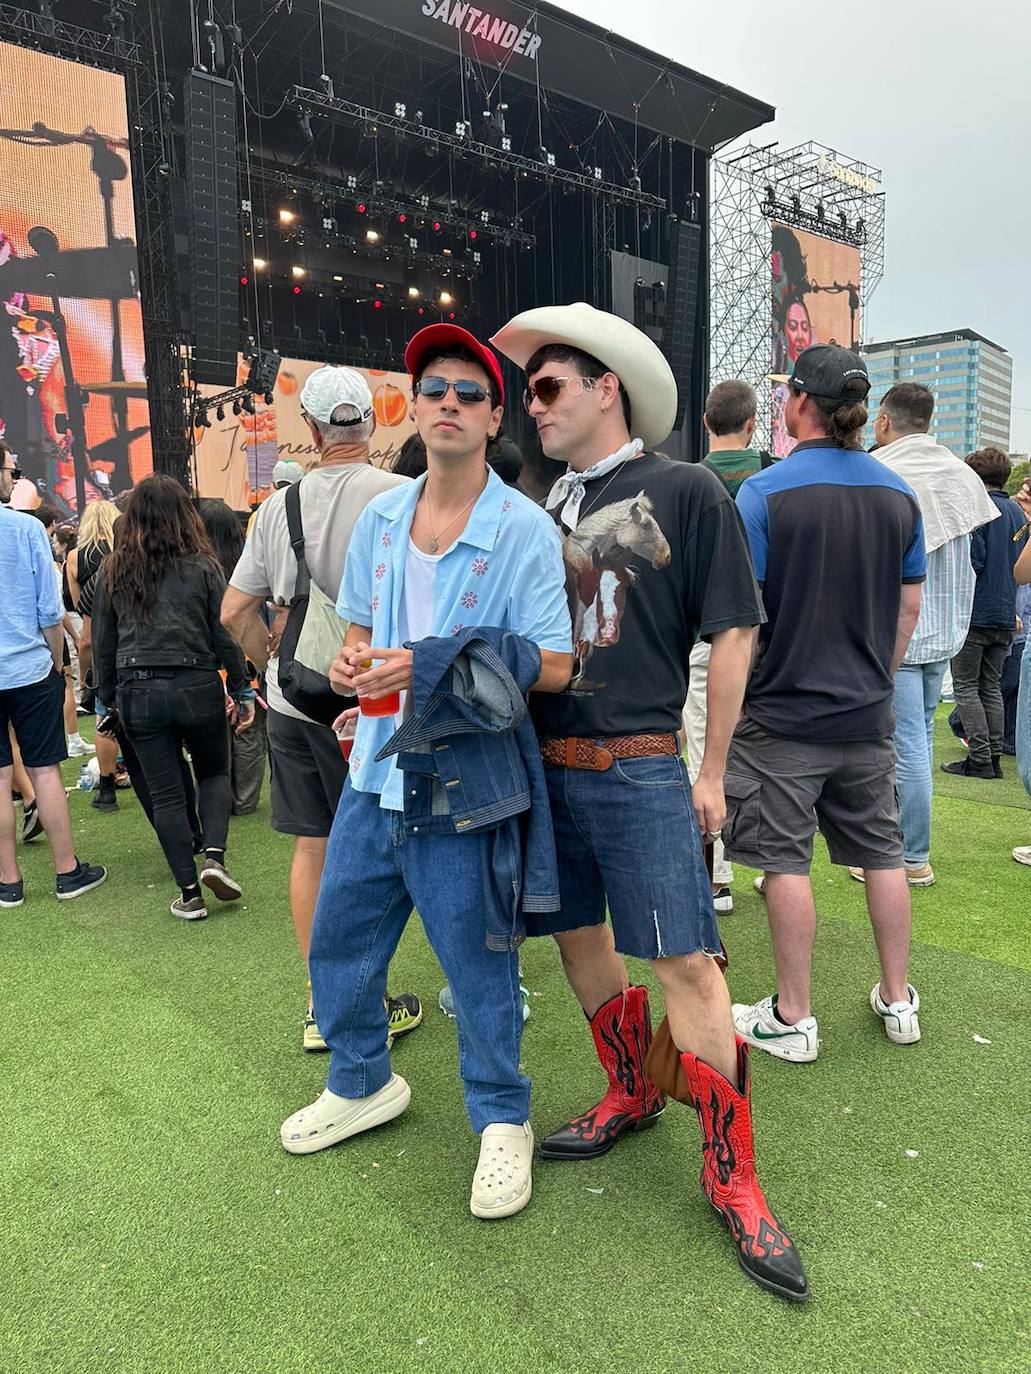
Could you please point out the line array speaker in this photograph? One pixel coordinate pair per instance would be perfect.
(212, 201)
(681, 319)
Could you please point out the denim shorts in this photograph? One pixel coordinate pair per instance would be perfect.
(628, 836)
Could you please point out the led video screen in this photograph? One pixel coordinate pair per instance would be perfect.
(815, 298)
(72, 387)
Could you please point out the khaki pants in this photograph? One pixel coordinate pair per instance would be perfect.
(694, 730)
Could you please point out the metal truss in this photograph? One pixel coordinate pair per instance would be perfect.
(809, 186)
(345, 111)
(31, 30)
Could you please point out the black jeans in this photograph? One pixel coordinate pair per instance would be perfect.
(1009, 687)
(976, 674)
(161, 714)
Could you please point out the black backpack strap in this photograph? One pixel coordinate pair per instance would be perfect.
(296, 530)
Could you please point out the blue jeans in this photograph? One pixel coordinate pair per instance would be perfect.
(374, 874)
(917, 693)
(1023, 730)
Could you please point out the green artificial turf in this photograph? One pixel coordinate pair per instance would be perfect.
(150, 1222)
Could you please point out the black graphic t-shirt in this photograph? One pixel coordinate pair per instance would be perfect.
(659, 558)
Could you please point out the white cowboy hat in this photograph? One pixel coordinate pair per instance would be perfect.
(631, 355)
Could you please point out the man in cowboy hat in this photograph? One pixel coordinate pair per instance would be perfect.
(656, 556)
(454, 549)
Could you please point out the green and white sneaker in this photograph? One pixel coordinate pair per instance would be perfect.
(759, 1025)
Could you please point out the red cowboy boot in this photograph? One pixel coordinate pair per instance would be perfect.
(765, 1251)
(622, 1030)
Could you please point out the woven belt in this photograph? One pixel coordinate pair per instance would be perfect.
(597, 755)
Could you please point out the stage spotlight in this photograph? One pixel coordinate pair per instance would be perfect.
(424, 201)
(297, 270)
(304, 119)
(297, 290)
(287, 216)
(472, 233)
(476, 257)
(269, 398)
(243, 280)
(549, 158)
(485, 216)
(413, 243)
(597, 174)
(460, 128)
(361, 207)
(402, 218)
(236, 407)
(421, 310)
(451, 315)
(371, 236)
(820, 212)
(635, 181)
(328, 223)
(377, 305)
(247, 402)
(352, 183)
(220, 414)
(436, 226)
(400, 110)
(445, 298)
(414, 293)
(506, 144)
(337, 276)
(259, 264)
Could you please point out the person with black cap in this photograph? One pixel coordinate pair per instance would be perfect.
(656, 558)
(452, 550)
(838, 545)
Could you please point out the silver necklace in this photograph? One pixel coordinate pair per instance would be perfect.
(595, 499)
(434, 540)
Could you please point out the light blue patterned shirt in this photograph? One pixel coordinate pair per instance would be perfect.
(504, 570)
(29, 602)
(946, 605)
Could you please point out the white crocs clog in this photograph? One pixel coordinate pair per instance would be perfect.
(502, 1182)
(331, 1118)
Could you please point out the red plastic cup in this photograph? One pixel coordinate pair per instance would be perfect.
(380, 706)
(346, 745)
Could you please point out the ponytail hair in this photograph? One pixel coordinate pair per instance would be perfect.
(846, 419)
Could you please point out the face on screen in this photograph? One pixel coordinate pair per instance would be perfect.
(797, 330)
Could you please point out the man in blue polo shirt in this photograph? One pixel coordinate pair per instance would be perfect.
(838, 545)
(454, 549)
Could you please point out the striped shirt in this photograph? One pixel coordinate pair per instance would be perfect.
(947, 602)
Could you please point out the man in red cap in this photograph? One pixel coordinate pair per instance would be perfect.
(428, 560)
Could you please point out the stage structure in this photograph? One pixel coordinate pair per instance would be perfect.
(796, 252)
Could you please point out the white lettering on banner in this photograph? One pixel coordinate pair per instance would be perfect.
(457, 14)
(846, 175)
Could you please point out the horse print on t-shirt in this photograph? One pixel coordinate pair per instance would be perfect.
(600, 575)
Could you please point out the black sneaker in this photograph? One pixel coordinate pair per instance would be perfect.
(31, 825)
(997, 765)
(404, 1014)
(12, 894)
(965, 768)
(82, 878)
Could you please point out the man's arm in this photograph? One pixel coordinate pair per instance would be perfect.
(556, 670)
(909, 614)
(729, 665)
(54, 636)
(241, 616)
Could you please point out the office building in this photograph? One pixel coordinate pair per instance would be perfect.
(970, 377)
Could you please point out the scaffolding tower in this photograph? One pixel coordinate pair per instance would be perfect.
(809, 187)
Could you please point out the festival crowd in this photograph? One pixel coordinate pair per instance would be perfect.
(479, 707)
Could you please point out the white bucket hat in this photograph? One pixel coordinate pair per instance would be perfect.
(631, 355)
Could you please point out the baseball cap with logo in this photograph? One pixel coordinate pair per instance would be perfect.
(436, 337)
(330, 387)
(830, 372)
(285, 472)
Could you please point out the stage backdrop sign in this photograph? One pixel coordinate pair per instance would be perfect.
(235, 457)
(815, 298)
(64, 170)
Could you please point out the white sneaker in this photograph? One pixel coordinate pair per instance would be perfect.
(901, 1023)
(759, 1025)
(760, 884)
(917, 875)
(502, 1183)
(78, 747)
(723, 901)
(1022, 854)
(331, 1118)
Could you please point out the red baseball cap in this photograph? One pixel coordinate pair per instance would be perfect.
(440, 336)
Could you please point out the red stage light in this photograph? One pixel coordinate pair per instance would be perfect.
(421, 310)
(472, 233)
(436, 226)
(297, 290)
(360, 207)
(377, 305)
(451, 316)
(243, 281)
(402, 218)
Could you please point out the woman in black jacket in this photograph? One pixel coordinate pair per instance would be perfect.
(158, 645)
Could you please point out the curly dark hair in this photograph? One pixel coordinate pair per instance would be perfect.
(159, 531)
(991, 465)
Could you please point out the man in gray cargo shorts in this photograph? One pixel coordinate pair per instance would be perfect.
(837, 542)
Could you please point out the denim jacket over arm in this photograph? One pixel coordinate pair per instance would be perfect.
(471, 761)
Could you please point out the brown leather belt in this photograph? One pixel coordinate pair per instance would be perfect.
(595, 755)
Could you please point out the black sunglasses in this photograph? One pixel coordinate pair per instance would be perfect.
(436, 388)
(15, 472)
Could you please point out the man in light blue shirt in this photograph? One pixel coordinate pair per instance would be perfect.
(455, 549)
(32, 695)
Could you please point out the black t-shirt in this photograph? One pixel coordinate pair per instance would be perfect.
(659, 557)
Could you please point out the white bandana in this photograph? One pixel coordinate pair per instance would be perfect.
(571, 486)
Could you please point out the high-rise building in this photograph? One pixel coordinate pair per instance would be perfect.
(970, 377)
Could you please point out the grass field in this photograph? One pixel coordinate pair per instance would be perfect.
(150, 1222)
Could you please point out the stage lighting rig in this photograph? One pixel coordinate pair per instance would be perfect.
(260, 381)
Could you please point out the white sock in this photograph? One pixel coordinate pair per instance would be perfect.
(75, 739)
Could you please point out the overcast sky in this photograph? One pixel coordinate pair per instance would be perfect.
(935, 95)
